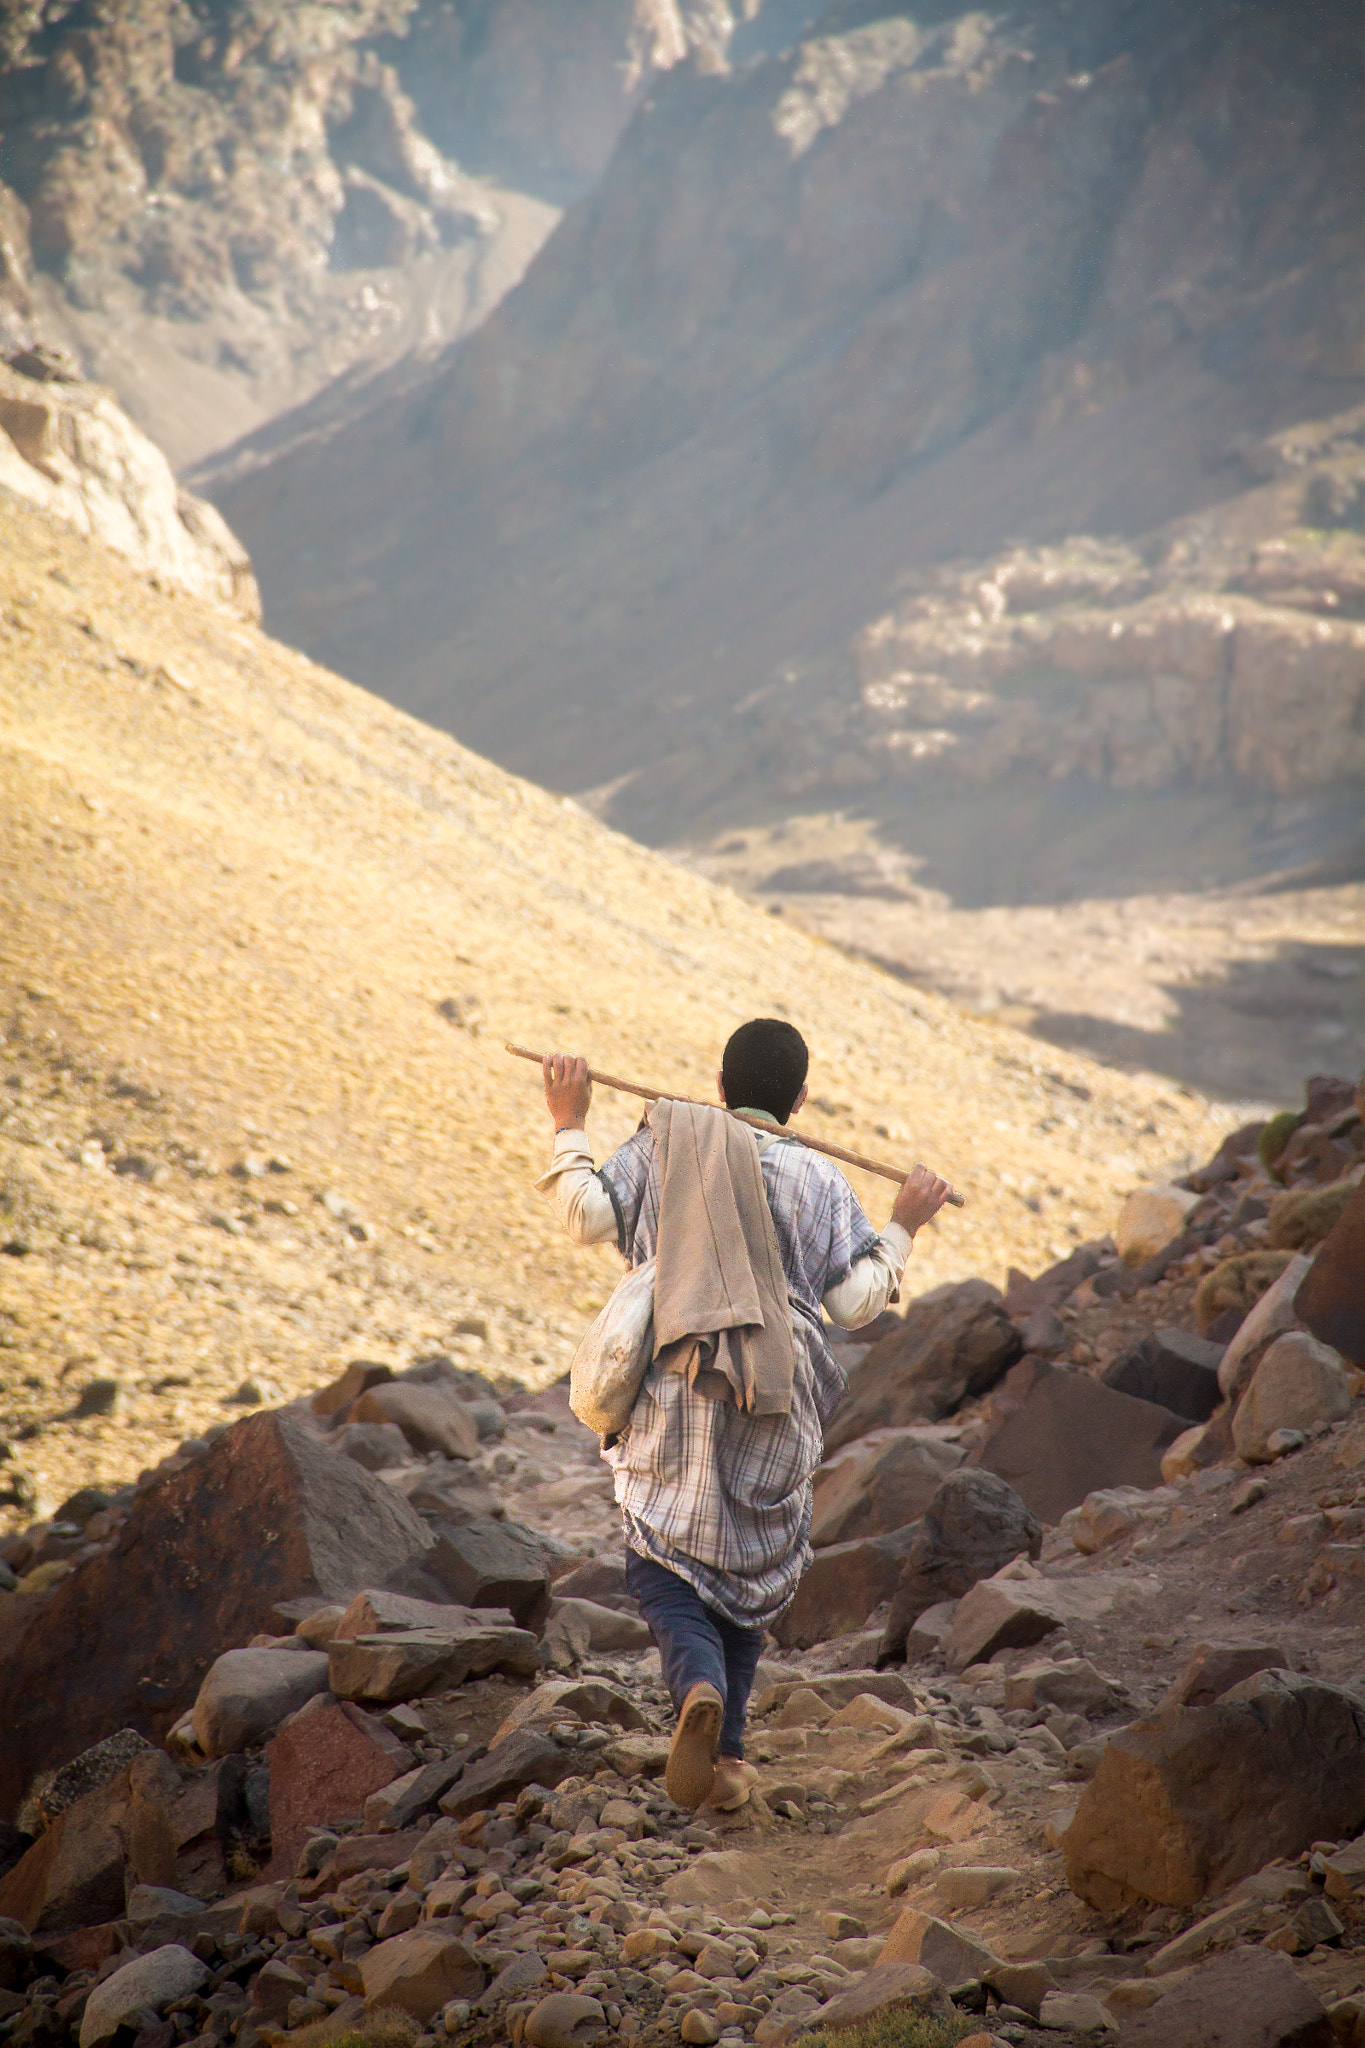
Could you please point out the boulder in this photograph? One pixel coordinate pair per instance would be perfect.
(565, 2019)
(526, 1757)
(1057, 1436)
(954, 1342)
(1214, 1668)
(1272, 1315)
(274, 1990)
(868, 1491)
(1073, 1686)
(73, 1875)
(1245, 1998)
(493, 1564)
(1344, 1873)
(1076, 2012)
(1299, 1385)
(841, 1587)
(148, 1984)
(181, 1584)
(432, 1418)
(1173, 1369)
(888, 1987)
(337, 1396)
(1190, 1800)
(1049, 1289)
(598, 1578)
(99, 1765)
(374, 1612)
(599, 1628)
(452, 1493)
(1149, 1219)
(1114, 1512)
(1331, 1299)
(974, 1524)
(1018, 1606)
(936, 1945)
(379, 1670)
(247, 1693)
(324, 1764)
(419, 1972)
(561, 1699)
(378, 1446)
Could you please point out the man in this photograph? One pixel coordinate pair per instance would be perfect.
(714, 1480)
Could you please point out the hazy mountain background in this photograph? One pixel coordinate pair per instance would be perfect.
(906, 461)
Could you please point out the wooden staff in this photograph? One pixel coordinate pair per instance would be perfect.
(759, 1123)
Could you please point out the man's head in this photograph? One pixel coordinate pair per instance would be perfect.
(764, 1067)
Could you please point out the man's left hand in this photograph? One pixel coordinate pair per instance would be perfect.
(568, 1090)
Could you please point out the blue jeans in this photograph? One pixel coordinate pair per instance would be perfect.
(695, 1642)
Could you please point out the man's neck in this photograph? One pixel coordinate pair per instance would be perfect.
(766, 1114)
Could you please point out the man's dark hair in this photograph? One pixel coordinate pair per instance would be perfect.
(764, 1066)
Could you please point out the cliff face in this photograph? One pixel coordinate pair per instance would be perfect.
(921, 286)
(67, 447)
(223, 206)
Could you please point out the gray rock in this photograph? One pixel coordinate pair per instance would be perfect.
(1299, 1385)
(150, 1983)
(1246, 1998)
(974, 1524)
(375, 1445)
(148, 1903)
(493, 1564)
(247, 1693)
(406, 1664)
(1173, 1368)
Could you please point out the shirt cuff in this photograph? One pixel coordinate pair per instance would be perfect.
(897, 1241)
(571, 1148)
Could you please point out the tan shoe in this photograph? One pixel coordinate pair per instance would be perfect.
(732, 1783)
(690, 1770)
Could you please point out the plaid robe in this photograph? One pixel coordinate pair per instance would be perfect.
(721, 1498)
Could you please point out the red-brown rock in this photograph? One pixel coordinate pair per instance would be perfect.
(1214, 1668)
(1057, 1436)
(1188, 1801)
(1247, 1998)
(883, 1486)
(953, 1342)
(841, 1588)
(1331, 1297)
(324, 1764)
(266, 1514)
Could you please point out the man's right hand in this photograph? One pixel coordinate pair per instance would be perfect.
(922, 1195)
(568, 1090)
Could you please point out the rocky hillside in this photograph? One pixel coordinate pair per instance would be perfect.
(262, 940)
(924, 479)
(918, 287)
(223, 207)
(1061, 1740)
(67, 446)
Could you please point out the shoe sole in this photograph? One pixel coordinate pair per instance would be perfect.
(690, 1772)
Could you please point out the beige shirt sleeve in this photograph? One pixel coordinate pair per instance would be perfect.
(577, 1196)
(872, 1282)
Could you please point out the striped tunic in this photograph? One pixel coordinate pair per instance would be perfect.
(719, 1497)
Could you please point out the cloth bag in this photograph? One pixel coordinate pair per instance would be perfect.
(610, 1364)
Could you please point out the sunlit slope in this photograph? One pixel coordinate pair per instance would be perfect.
(249, 885)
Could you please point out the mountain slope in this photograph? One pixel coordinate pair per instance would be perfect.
(249, 913)
(923, 285)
